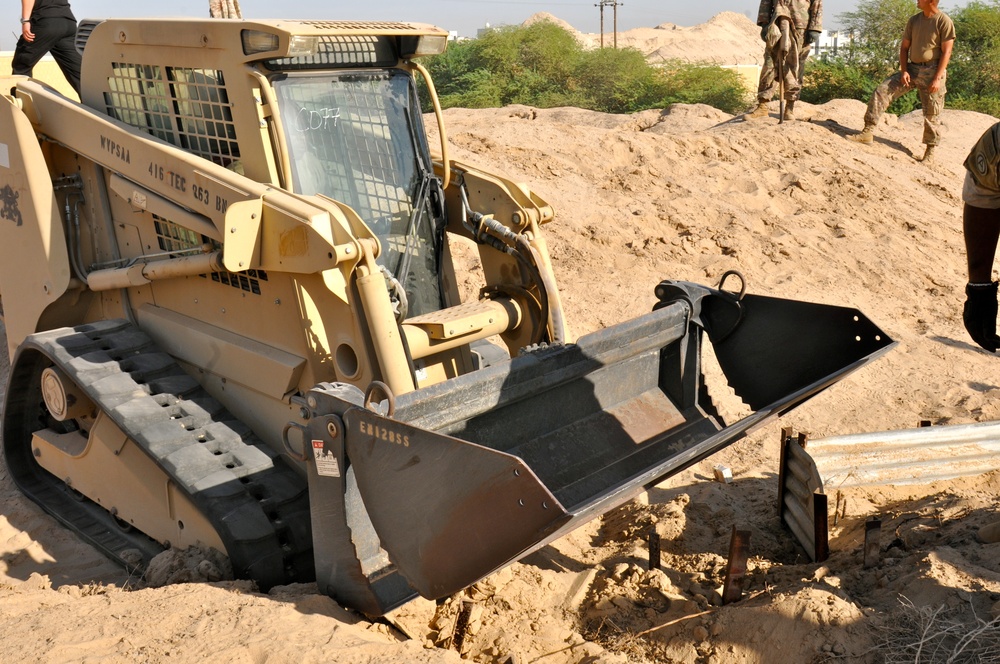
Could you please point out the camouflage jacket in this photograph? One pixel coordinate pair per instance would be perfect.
(983, 162)
(805, 14)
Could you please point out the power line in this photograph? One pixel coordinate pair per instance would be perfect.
(613, 4)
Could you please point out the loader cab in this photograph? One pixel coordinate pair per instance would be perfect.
(351, 129)
(340, 118)
(358, 137)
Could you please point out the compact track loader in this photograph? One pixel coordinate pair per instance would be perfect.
(234, 322)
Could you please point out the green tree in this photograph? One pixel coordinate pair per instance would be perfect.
(875, 28)
(974, 71)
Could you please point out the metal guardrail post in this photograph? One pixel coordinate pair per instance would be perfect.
(802, 503)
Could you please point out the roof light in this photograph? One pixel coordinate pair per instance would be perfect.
(255, 41)
(411, 47)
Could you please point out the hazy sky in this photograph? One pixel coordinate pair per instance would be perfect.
(465, 16)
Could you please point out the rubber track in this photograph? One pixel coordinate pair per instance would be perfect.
(257, 504)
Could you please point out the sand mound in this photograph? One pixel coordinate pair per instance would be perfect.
(545, 16)
(726, 39)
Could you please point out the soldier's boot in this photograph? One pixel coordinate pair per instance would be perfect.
(789, 110)
(928, 155)
(980, 314)
(760, 112)
(866, 135)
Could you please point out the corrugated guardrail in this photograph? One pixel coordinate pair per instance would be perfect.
(907, 456)
(810, 468)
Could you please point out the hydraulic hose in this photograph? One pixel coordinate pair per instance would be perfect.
(554, 314)
(71, 210)
(487, 230)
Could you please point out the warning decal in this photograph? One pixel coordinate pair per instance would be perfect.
(326, 462)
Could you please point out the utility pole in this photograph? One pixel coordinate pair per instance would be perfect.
(614, 4)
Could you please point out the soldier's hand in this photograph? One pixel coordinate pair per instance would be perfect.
(812, 36)
(904, 78)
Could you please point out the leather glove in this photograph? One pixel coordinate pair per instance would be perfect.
(811, 37)
(763, 31)
(980, 314)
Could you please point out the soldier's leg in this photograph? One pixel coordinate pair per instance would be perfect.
(981, 227)
(794, 90)
(933, 104)
(981, 230)
(47, 31)
(26, 56)
(887, 92)
(65, 54)
(768, 83)
(766, 86)
(794, 66)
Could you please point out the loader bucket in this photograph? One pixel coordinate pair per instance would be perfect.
(469, 475)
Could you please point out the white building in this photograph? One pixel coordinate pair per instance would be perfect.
(832, 42)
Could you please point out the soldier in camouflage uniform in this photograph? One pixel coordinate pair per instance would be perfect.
(923, 62)
(805, 19)
(981, 226)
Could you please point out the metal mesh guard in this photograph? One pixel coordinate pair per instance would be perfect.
(343, 50)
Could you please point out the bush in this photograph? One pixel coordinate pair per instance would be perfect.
(990, 105)
(615, 81)
(836, 78)
(686, 83)
(543, 65)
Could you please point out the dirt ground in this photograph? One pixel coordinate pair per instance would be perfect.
(686, 193)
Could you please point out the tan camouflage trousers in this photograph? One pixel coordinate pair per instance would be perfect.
(892, 89)
(794, 65)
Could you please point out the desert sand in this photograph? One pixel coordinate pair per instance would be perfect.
(727, 38)
(686, 192)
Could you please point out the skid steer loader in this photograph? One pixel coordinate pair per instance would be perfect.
(234, 322)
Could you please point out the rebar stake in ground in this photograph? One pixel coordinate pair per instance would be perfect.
(736, 568)
(654, 548)
(873, 544)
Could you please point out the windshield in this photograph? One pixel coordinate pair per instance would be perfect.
(358, 138)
